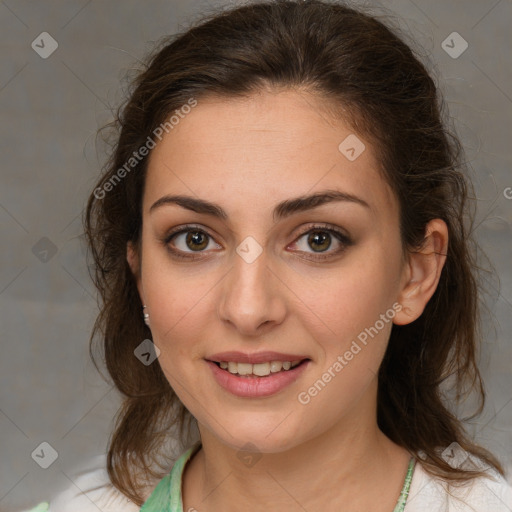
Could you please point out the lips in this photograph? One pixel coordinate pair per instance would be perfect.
(251, 386)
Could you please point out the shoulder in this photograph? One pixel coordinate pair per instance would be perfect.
(90, 490)
(491, 493)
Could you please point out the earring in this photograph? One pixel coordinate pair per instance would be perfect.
(146, 315)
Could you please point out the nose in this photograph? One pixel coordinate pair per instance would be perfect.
(252, 296)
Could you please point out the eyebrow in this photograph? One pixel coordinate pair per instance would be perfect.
(282, 210)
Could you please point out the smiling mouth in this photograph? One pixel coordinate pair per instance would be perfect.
(260, 369)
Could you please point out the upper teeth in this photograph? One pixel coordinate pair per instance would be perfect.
(259, 369)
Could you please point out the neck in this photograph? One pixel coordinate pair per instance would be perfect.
(352, 466)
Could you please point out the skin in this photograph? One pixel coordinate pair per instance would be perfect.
(247, 155)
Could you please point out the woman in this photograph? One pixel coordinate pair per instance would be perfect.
(280, 245)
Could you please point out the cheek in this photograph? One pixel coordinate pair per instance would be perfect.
(352, 297)
(176, 301)
(343, 313)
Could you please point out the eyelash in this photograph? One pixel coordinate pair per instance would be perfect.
(326, 228)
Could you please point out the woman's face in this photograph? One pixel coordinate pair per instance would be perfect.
(268, 278)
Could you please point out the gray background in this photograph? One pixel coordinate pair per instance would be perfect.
(50, 111)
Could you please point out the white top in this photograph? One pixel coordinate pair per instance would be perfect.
(426, 494)
(429, 494)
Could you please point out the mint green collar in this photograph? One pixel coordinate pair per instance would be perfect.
(166, 497)
(402, 499)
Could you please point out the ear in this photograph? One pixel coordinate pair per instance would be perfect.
(133, 258)
(422, 273)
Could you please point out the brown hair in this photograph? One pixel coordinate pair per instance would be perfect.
(366, 74)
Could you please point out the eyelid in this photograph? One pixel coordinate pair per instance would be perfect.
(326, 227)
(185, 227)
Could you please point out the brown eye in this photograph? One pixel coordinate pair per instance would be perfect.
(196, 240)
(319, 239)
(183, 242)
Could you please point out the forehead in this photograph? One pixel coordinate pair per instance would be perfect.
(268, 145)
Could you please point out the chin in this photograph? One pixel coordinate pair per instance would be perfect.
(260, 445)
(257, 439)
